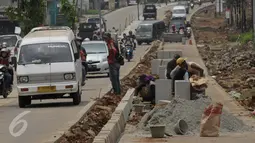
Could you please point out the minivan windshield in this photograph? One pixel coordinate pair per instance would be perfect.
(45, 53)
(10, 40)
(179, 11)
(94, 20)
(144, 28)
(95, 48)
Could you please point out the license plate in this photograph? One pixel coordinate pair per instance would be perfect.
(47, 89)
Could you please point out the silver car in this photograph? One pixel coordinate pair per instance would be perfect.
(97, 53)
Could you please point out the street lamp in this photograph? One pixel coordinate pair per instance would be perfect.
(138, 2)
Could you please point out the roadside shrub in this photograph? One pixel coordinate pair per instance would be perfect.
(92, 12)
(246, 37)
(233, 37)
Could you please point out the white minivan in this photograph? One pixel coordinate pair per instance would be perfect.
(49, 66)
(179, 11)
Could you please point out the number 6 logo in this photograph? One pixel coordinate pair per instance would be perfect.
(17, 121)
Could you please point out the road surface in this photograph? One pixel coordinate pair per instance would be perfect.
(49, 116)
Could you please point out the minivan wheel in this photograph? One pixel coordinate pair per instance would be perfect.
(24, 101)
(76, 97)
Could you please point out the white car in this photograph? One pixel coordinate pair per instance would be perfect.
(97, 53)
(49, 66)
(179, 11)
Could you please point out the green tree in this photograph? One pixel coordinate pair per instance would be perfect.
(30, 14)
(69, 11)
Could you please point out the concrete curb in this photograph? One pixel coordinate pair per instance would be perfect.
(116, 125)
(113, 129)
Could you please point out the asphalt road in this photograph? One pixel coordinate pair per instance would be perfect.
(48, 116)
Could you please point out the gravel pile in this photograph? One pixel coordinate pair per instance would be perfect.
(191, 111)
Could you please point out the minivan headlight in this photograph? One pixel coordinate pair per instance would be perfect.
(68, 76)
(23, 79)
(104, 59)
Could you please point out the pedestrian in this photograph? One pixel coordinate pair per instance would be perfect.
(180, 72)
(114, 65)
(148, 82)
(171, 65)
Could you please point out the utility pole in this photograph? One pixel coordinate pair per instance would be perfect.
(138, 2)
(253, 25)
(100, 17)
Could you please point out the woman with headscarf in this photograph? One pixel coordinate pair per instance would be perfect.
(148, 82)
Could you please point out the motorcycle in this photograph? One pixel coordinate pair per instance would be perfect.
(129, 52)
(4, 90)
(188, 32)
(191, 5)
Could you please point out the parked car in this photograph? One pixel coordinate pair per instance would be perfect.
(97, 53)
(49, 66)
(150, 11)
(185, 4)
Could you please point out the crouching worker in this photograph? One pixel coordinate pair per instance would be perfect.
(180, 72)
(147, 82)
(171, 65)
(195, 69)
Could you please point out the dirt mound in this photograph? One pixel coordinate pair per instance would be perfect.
(91, 124)
(231, 64)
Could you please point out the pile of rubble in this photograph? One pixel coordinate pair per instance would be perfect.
(91, 123)
(232, 65)
(191, 111)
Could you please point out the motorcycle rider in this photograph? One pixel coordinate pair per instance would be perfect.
(95, 36)
(123, 40)
(181, 28)
(133, 38)
(173, 28)
(188, 24)
(4, 60)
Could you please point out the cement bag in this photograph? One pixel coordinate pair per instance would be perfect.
(210, 122)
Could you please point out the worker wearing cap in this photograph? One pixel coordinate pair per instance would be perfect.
(180, 72)
(171, 65)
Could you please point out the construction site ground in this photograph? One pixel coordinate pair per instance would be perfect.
(214, 90)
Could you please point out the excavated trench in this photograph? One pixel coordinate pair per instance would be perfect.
(85, 130)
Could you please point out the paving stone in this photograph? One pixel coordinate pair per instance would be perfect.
(160, 54)
(163, 89)
(162, 72)
(173, 52)
(182, 89)
(155, 63)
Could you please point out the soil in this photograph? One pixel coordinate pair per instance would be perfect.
(231, 64)
(91, 123)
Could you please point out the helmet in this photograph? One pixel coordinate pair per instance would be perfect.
(124, 34)
(87, 39)
(4, 50)
(130, 32)
(4, 45)
(180, 61)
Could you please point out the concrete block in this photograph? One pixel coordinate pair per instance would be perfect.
(129, 97)
(96, 140)
(154, 65)
(167, 55)
(108, 127)
(123, 107)
(119, 119)
(165, 62)
(173, 52)
(160, 54)
(182, 89)
(162, 72)
(163, 89)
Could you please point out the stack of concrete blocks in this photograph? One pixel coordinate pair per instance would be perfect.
(182, 89)
(155, 63)
(163, 90)
(113, 129)
(168, 54)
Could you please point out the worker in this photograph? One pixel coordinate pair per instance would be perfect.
(180, 72)
(146, 81)
(171, 65)
(195, 69)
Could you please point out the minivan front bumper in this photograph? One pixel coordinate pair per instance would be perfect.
(57, 88)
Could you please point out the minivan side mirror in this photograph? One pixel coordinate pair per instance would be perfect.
(14, 62)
